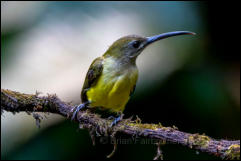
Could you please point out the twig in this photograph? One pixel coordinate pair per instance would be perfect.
(114, 148)
(159, 155)
(15, 102)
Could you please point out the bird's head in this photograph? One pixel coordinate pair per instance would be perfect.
(129, 47)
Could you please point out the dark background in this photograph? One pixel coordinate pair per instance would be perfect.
(195, 98)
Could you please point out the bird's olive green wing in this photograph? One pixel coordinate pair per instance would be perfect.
(92, 76)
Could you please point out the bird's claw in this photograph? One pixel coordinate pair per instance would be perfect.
(116, 120)
(77, 109)
(111, 118)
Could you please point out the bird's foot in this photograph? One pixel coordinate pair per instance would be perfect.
(111, 118)
(116, 119)
(76, 109)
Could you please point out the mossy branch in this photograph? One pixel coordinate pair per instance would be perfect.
(15, 102)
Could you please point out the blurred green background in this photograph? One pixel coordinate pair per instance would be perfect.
(192, 82)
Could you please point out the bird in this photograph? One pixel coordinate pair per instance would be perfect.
(111, 78)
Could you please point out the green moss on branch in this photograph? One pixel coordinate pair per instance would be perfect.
(15, 102)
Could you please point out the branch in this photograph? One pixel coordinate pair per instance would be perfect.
(15, 102)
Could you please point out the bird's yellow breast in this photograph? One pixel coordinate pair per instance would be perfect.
(112, 90)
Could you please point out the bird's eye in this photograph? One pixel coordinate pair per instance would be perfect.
(136, 44)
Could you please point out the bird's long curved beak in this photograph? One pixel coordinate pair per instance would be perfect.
(166, 35)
